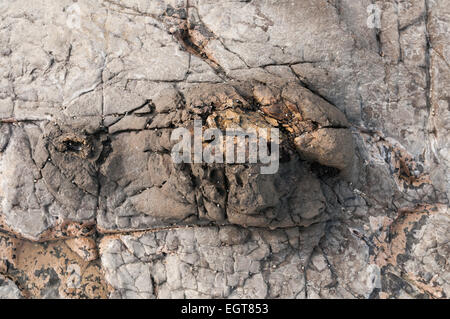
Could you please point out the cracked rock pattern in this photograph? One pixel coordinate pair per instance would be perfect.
(92, 205)
(209, 262)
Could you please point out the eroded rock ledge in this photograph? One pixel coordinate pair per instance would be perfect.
(69, 181)
(125, 179)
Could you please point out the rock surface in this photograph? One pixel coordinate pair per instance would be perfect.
(92, 205)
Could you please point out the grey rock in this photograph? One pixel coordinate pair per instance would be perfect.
(255, 263)
(8, 289)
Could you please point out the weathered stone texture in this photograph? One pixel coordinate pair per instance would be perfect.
(90, 92)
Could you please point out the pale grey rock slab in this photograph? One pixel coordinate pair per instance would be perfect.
(8, 289)
(257, 264)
